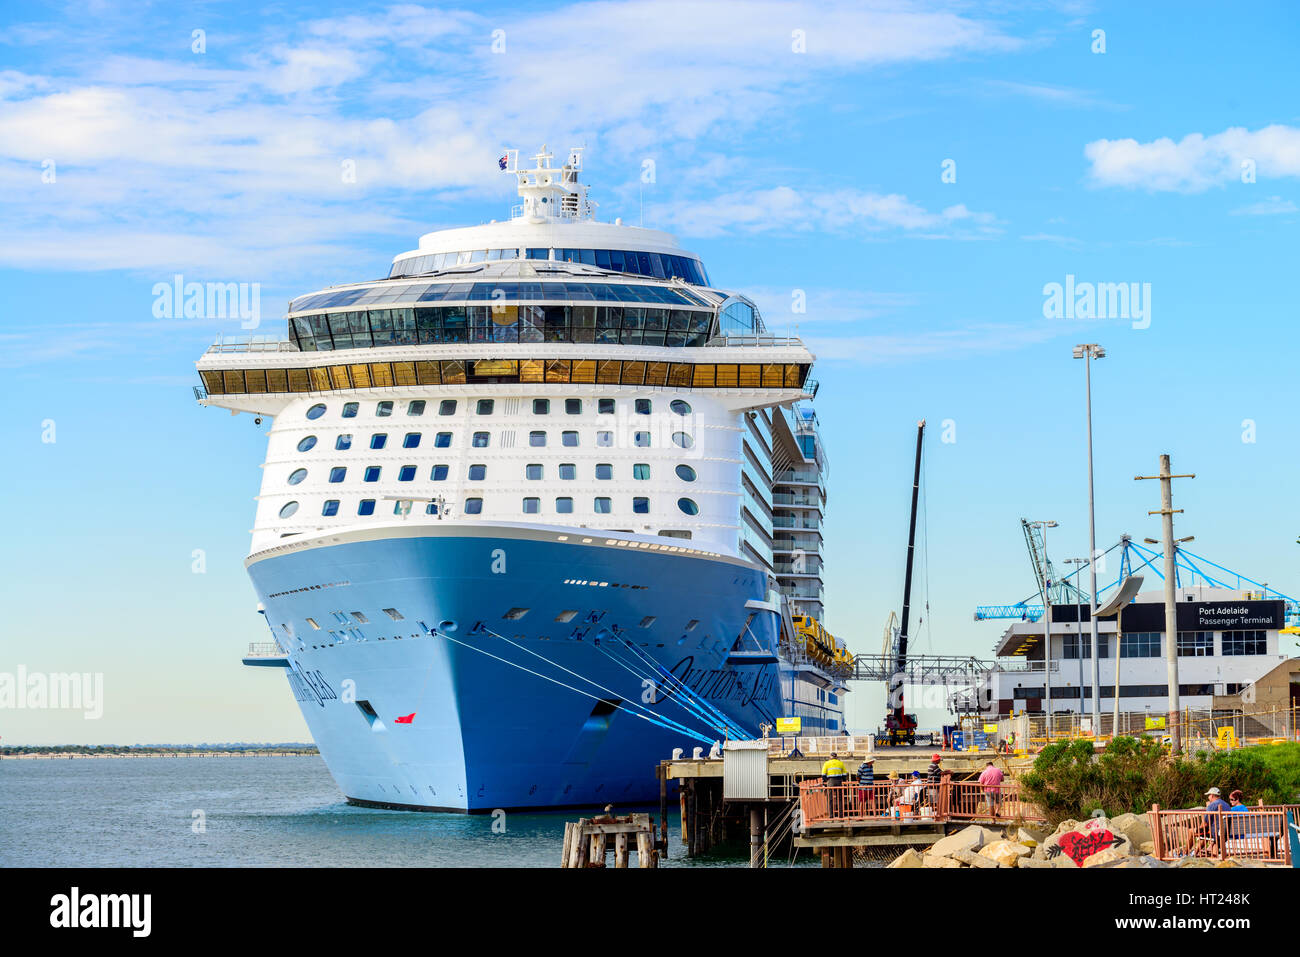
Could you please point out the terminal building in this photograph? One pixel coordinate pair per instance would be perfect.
(1227, 639)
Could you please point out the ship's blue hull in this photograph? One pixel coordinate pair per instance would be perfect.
(546, 708)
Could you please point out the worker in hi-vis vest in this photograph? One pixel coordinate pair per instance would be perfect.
(834, 772)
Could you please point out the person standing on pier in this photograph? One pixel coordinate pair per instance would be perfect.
(991, 781)
(834, 773)
(933, 775)
(866, 784)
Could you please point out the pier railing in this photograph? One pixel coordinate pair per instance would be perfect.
(918, 803)
(1259, 833)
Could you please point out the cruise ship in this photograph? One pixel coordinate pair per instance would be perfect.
(538, 507)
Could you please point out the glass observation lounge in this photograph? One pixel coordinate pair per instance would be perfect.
(636, 262)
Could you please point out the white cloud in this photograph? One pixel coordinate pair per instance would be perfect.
(1273, 206)
(1196, 162)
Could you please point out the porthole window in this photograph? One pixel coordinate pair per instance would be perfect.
(384, 408)
(688, 506)
(297, 475)
(330, 508)
(683, 440)
(411, 441)
(569, 439)
(680, 407)
(641, 506)
(604, 439)
(642, 406)
(415, 407)
(641, 471)
(350, 409)
(603, 506)
(533, 472)
(379, 440)
(406, 473)
(686, 473)
(477, 473)
(307, 444)
(564, 505)
(366, 507)
(442, 440)
(541, 406)
(605, 406)
(343, 442)
(439, 473)
(532, 506)
(288, 508)
(568, 472)
(573, 406)
(485, 406)
(604, 471)
(480, 440)
(641, 440)
(537, 439)
(447, 407)
(338, 474)
(372, 473)
(473, 506)
(316, 411)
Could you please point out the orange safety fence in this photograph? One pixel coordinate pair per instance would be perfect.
(1257, 833)
(916, 802)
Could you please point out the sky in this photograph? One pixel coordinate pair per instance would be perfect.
(917, 175)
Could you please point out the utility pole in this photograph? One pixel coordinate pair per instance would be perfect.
(1089, 351)
(1166, 512)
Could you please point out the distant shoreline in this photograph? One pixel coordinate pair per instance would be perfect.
(56, 753)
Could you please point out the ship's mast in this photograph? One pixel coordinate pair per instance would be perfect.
(549, 194)
(900, 668)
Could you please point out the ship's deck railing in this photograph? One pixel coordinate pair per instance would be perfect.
(264, 649)
(252, 344)
(1259, 833)
(819, 744)
(753, 340)
(913, 801)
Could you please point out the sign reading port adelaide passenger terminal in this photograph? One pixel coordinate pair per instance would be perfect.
(1192, 615)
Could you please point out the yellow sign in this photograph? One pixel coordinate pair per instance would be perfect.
(1154, 723)
(1227, 737)
(789, 725)
(990, 729)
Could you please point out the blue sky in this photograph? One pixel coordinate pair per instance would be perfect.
(796, 146)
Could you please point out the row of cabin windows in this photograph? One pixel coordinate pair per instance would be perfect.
(488, 406)
(473, 506)
(481, 440)
(534, 471)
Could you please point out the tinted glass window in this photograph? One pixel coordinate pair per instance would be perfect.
(603, 506)
(605, 406)
(372, 473)
(439, 473)
(338, 474)
(411, 441)
(573, 406)
(541, 406)
(473, 506)
(406, 473)
(536, 439)
(442, 440)
(447, 407)
(642, 406)
(688, 506)
(367, 507)
(641, 471)
(533, 472)
(686, 473)
(288, 509)
(568, 472)
(569, 438)
(378, 440)
(564, 505)
(605, 438)
(297, 476)
(680, 407)
(480, 440)
(485, 406)
(604, 471)
(416, 407)
(331, 507)
(682, 439)
(316, 411)
(343, 442)
(641, 440)
(384, 408)
(350, 409)
(308, 443)
(532, 506)
(641, 505)
(477, 473)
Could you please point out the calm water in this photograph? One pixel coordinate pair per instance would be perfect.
(131, 812)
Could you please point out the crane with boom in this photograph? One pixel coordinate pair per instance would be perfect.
(900, 725)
